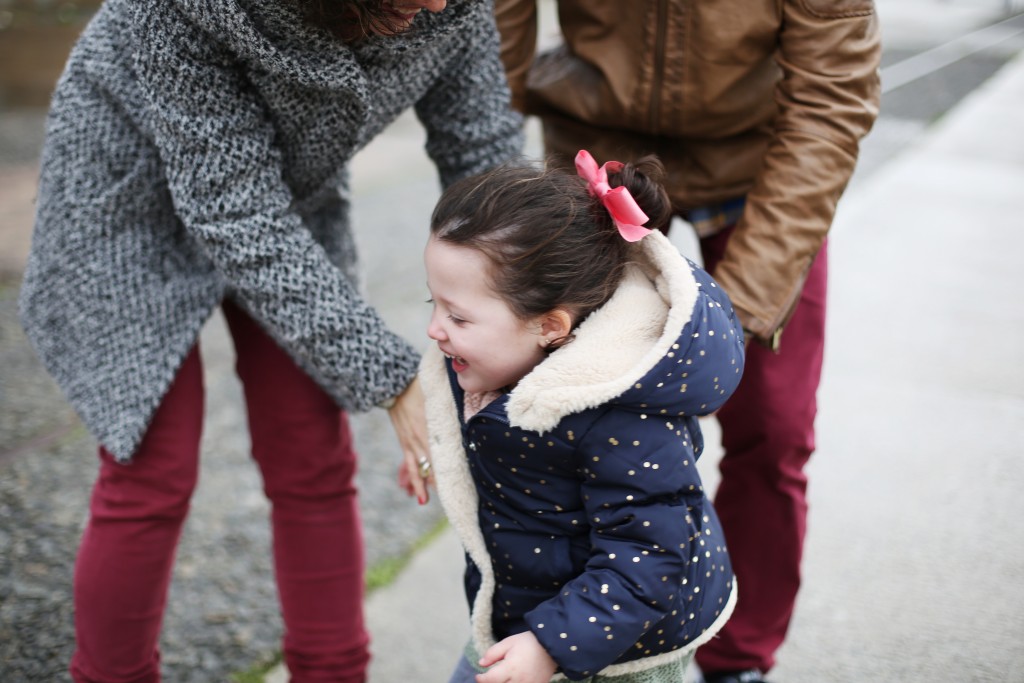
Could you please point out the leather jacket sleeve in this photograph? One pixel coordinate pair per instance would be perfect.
(828, 100)
(517, 24)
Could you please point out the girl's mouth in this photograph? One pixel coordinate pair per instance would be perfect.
(458, 362)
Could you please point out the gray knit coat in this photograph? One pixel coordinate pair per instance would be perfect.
(197, 149)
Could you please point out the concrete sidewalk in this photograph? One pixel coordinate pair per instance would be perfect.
(914, 568)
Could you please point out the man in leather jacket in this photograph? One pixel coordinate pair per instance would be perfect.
(756, 110)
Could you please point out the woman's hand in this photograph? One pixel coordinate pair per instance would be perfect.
(409, 418)
(517, 659)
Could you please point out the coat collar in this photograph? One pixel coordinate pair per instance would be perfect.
(616, 345)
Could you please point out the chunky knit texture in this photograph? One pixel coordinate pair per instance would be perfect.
(198, 149)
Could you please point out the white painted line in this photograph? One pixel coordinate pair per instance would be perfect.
(928, 62)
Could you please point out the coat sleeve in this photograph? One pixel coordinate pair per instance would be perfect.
(224, 173)
(517, 24)
(470, 125)
(828, 99)
(640, 484)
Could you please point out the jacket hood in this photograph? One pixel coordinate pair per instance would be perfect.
(618, 346)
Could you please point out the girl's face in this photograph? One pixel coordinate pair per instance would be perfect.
(489, 346)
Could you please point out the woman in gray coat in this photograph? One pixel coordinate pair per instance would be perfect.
(196, 157)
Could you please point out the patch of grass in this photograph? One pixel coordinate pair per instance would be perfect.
(258, 672)
(9, 286)
(378, 576)
(248, 677)
(385, 571)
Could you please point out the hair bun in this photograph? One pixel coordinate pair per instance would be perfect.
(644, 180)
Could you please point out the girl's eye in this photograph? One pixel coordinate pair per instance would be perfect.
(454, 318)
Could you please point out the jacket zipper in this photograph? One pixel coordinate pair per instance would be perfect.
(496, 416)
(661, 29)
(785, 313)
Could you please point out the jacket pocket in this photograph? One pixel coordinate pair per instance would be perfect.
(526, 559)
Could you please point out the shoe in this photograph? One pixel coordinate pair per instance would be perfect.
(748, 676)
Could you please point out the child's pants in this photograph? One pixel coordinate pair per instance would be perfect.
(671, 672)
(302, 444)
(768, 437)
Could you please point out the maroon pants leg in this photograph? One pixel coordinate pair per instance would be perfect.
(302, 443)
(124, 563)
(768, 437)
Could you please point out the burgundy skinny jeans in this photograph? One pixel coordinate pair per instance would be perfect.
(302, 445)
(768, 437)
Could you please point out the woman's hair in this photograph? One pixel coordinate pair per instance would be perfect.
(349, 19)
(549, 242)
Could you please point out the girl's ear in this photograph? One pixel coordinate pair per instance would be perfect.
(555, 325)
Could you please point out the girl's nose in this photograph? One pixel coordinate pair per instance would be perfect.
(434, 329)
(435, 5)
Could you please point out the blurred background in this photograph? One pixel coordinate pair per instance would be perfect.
(928, 585)
(37, 35)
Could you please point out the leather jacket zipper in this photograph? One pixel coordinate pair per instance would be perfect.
(660, 32)
(786, 312)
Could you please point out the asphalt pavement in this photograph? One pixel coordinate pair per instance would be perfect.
(914, 568)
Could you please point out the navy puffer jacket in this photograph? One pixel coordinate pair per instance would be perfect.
(577, 496)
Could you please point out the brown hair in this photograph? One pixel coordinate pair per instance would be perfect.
(349, 20)
(549, 242)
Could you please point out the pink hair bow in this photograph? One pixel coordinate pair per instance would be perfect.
(626, 214)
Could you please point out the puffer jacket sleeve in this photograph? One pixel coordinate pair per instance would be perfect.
(639, 480)
(828, 98)
(711, 348)
(470, 124)
(644, 498)
(224, 173)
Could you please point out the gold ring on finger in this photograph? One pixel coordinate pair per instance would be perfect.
(425, 468)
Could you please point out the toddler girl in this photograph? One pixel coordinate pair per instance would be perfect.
(575, 351)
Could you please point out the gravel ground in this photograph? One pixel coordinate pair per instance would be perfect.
(222, 614)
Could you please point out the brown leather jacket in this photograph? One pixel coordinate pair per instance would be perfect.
(766, 99)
